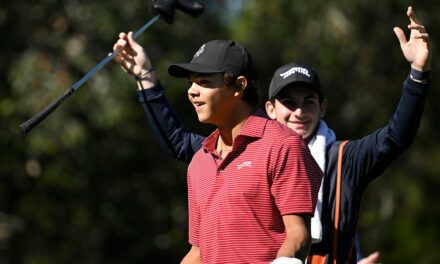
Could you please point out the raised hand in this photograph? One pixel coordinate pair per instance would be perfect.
(417, 48)
(132, 57)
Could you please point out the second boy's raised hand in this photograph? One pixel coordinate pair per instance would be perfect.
(417, 48)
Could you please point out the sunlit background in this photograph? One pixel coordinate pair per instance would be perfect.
(90, 184)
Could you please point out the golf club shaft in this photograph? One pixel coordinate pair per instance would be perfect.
(113, 54)
(26, 126)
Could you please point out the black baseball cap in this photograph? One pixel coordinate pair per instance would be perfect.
(218, 56)
(294, 73)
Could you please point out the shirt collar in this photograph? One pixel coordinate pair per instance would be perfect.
(253, 127)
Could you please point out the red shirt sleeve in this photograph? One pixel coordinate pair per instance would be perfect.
(296, 177)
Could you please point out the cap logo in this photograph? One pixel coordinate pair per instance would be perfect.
(200, 51)
(294, 70)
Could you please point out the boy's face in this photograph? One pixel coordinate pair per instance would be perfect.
(298, 107)
(211, 99)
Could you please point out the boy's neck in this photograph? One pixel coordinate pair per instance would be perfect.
(231, 129)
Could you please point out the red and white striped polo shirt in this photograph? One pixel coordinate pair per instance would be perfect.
(236, 204)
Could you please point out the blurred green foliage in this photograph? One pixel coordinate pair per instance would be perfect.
(91, 185)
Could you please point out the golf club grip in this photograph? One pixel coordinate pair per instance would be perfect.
(25, 127)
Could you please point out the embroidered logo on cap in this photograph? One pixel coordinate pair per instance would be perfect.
(294, 70)
(200, 51)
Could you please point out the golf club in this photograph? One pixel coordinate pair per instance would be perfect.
(26, 126)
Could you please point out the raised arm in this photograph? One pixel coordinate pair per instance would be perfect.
(404, 124)
(373, 153)
(172, 135)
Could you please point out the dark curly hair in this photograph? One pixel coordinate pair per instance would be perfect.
(251, 93)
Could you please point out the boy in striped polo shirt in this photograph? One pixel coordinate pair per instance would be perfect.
(252, 187)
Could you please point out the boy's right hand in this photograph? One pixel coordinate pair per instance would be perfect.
(132, 57)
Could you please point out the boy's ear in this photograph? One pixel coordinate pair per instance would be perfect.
(270, 110)
(241, 83)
